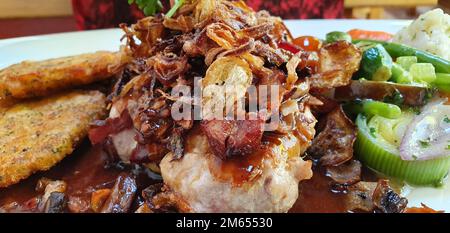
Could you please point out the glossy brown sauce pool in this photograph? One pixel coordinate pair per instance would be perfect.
(316, 195)
(84, 172)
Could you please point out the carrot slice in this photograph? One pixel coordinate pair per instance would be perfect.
(358, 34)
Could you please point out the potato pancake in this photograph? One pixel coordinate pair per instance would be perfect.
(41, 78)
(35, 135)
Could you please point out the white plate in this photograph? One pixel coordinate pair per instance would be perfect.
(64, 44)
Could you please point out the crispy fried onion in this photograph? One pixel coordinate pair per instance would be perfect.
(334, 144)
(225, 42)
(225, 84)
(279, 32)
(204, 10)
(167, 68)
(219, 39)
(337, 63)
(181, 23)
(225, 36)
(148, 30)
(236, 14)
(291, 67)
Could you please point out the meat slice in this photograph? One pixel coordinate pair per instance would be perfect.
(200, 182)
(229, 138)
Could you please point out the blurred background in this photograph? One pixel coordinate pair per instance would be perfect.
(33, 17)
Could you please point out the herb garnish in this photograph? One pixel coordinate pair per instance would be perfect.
(424, 143)
(178, 4)
(396, 98)
(151, 7)
(372, 132)
(446, 119)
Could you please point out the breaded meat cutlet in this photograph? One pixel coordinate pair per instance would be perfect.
(35, 135)
(41, 78)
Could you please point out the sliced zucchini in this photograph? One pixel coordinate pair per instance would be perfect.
(372, 107)
(376, 64)
(422, 72)
(400, 75)
(406, 61)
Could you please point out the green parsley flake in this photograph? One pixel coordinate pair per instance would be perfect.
(424, 143)
(372, 132)
(446, 119)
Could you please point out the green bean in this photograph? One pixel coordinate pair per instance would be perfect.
(372, 107)
(442, 82)
(386, 110)
(397, 50)
(337, 36)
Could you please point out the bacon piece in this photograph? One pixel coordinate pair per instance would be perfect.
(100, 130)
(147, 153)
(229, 138)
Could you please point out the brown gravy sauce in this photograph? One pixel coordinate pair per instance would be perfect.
(84, 172)
(242, 169)
(316, 196)
(238, 170)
